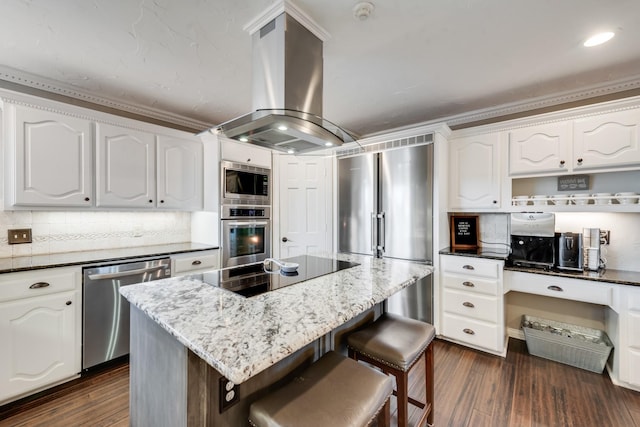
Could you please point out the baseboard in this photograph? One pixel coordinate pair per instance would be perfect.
(515, 333)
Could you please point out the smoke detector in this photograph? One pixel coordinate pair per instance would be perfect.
(363, 10)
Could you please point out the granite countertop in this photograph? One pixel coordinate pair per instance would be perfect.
(477, 253)
(621, 277)
(240, 337)
(35, 262)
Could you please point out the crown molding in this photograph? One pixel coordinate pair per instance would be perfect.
(23, 82)
(291, 9)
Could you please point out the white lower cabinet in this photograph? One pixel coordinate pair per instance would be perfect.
(629, 344)
(40, 315)
(195, 262)
(472, 302)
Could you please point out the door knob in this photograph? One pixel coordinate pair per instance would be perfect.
(284, 239)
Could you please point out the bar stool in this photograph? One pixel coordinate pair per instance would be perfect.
(334, 391)
(394, 344)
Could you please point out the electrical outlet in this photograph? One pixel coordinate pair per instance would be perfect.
(19, 235)
(605, 237)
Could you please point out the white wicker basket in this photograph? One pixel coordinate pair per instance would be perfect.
(573, 345)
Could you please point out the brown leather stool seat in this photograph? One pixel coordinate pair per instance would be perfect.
(394, 344)
(335, 391)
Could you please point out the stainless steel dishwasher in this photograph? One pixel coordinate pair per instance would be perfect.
(105, 313)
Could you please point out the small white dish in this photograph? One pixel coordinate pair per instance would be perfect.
(539, 199)
(627, 197)
(559, 199)
(602, 198)
(521, 200)
(580, 198)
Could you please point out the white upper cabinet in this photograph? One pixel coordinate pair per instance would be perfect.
(53, 158)
(475, 172)
(607, 141)
(603, 142)
(245, 153)
(180, 173)
(544, 148)
(125, 163)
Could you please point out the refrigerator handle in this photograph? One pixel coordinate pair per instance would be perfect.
(383, 232)
(374, 223)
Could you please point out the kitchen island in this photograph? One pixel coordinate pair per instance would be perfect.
(201, 354)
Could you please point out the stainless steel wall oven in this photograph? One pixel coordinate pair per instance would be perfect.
(245, 234)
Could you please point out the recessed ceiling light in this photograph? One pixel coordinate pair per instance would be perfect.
(243, 139)
(291, 151)
(328, 144)
(282, 127)
(598, 39)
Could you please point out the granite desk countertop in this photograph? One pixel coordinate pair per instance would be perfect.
(240, 337)
(621, 277)
(35, 262)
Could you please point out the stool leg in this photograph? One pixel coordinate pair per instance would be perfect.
(403, 397)
(384, 416)
(428, 368)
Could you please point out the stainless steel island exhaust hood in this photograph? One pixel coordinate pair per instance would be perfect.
(287, 93)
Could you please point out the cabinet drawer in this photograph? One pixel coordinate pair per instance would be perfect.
(471, 305)
(560, 287)
(195, 261)
(36, 283)
(470, 284)
(634, 367)
(470, 266)
(471, 331)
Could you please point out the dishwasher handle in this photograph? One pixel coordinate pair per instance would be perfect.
(126, 273)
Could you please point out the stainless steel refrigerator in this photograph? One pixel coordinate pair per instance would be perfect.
(385, 209)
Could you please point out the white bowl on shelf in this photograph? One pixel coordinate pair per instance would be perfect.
(580, 198)
(627, 197)
(539, 199)
(521, 200)
(602, 198)
(560, 199)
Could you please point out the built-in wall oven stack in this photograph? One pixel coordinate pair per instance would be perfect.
(245, 214)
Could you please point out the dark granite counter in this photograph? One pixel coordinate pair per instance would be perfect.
(477, 253)
(35, 262)
(621, 277)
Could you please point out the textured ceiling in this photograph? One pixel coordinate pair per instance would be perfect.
(412, 61)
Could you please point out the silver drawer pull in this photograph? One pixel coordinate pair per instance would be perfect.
(468, 331)
(39, 285)
(468, 284)
(555, 288)
(468, 304)
(468, 267)
(196, 262)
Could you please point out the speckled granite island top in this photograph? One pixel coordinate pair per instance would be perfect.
(240, 337)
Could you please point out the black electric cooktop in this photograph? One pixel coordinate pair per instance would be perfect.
(255, 279)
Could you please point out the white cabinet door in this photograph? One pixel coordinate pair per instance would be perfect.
(38, 342)
(53, 159)
(540, 149)
(125, 163)
(245, 153)
(179, 164)
(607, 141)
(475, 172)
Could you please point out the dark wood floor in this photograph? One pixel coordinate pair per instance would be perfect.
(472, 389)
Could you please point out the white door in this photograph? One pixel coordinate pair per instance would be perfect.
(304, 209)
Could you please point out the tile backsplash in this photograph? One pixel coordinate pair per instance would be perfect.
(55, 232)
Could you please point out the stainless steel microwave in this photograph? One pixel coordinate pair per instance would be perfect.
(245, 184)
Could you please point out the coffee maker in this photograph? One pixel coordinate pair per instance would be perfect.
(569, 251)
(532, 238)
(592, 256)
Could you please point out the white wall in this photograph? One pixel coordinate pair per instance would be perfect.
(622, 253)
(54, 232)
